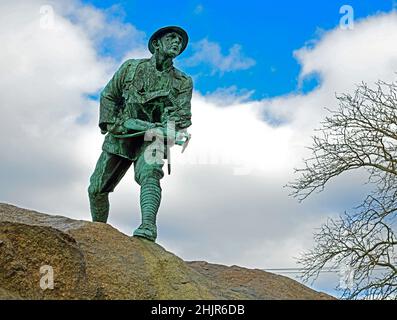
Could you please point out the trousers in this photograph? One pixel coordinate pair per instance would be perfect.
(109, 171)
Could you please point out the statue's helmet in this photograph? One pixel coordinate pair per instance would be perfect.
(162, 31)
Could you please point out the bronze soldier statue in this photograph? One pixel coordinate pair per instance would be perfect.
(144, 95)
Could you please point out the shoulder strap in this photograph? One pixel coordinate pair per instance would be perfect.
(132, 66)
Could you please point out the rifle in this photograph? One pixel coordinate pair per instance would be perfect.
(142, 126)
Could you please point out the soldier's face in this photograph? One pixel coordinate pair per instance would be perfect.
(170, 44)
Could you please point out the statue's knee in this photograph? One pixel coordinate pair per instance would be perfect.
(149, 175)
(94, 193)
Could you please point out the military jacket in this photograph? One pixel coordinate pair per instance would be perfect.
(138, 90)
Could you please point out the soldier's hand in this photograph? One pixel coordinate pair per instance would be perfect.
(181, 137)
(165, 131)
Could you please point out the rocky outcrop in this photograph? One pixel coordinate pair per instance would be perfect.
(95, 261)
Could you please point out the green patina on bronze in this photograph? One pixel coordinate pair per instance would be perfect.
(143, 94)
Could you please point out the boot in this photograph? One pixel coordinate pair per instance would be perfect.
(99, 205)
(150, 201)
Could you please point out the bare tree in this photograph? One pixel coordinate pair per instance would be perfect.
(360, 134)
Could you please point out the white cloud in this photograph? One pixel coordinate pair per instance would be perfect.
(342, 59)
(229, 96)
(210, 53)
(104, 27)
(345, 56)
(210, 210)
(47, 72)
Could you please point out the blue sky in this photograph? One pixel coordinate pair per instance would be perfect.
(268, 32)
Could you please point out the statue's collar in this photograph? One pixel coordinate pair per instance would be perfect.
(152, 63)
